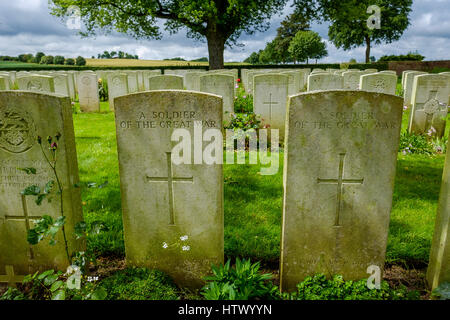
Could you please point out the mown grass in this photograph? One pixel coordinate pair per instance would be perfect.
(253, 203)
(15, 64)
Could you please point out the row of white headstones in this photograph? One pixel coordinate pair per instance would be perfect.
(426, 94)
(340, 160)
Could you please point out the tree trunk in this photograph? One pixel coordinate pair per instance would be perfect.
(367, 49)
(216, 47)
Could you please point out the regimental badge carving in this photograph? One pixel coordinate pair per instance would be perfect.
(34, 85)
(86, 81)
(380, 85)
(17, 130)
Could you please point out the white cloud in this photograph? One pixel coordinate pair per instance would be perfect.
(26, 26)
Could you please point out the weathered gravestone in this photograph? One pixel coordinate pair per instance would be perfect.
(351, 79)
(340, 163)
(146, 74)
(166, 83)
(439, 266)
(192, 80)
(133, 84)
(221, 85)
(117, 86)
(269, 100)
(61, 82)
(408, 86)
(379, 82)
(163, 201)
(35, 83)
(304, 79)
(250, 78)
(4, 83)
(404, 77)
(429, 104)
(11, 75)
(325, 81)
(88, 92)
(295, 82)
(71, 82)
(23, 117)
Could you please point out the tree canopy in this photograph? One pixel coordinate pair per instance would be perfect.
(277, 50)
(220, 22)
(307, 45)
(349, 20)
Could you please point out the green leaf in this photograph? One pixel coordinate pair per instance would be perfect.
(28, 170)
(40, 198)
(56, 285)
(59, 295)
(45, 274)
(99, 294)
(49, 186)
(443, 291)
(60, 221)
(50, 280)
(32, 237)
(31, 191)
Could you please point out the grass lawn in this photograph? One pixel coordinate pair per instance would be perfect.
(253, 203)
(146, 63)
(16, 64)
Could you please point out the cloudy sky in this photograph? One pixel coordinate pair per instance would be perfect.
(27, 27)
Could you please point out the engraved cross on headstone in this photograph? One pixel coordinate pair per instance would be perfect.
(10, 278)
(170, 179)
(430, 108)
(25, 218)
(340, 182)
(270, 103)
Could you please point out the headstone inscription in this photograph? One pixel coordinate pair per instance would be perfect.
(429, 104)
(172, 213)
(379, 82)
(269, 100)
(340, 163)
(23, 117)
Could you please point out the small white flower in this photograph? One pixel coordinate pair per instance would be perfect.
(184, 238)
(186, 248)
(165, 245)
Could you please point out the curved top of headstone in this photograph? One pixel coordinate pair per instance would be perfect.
(168, 94)
(341, 93)
(26, 93)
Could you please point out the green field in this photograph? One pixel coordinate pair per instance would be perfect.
(253, 203)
